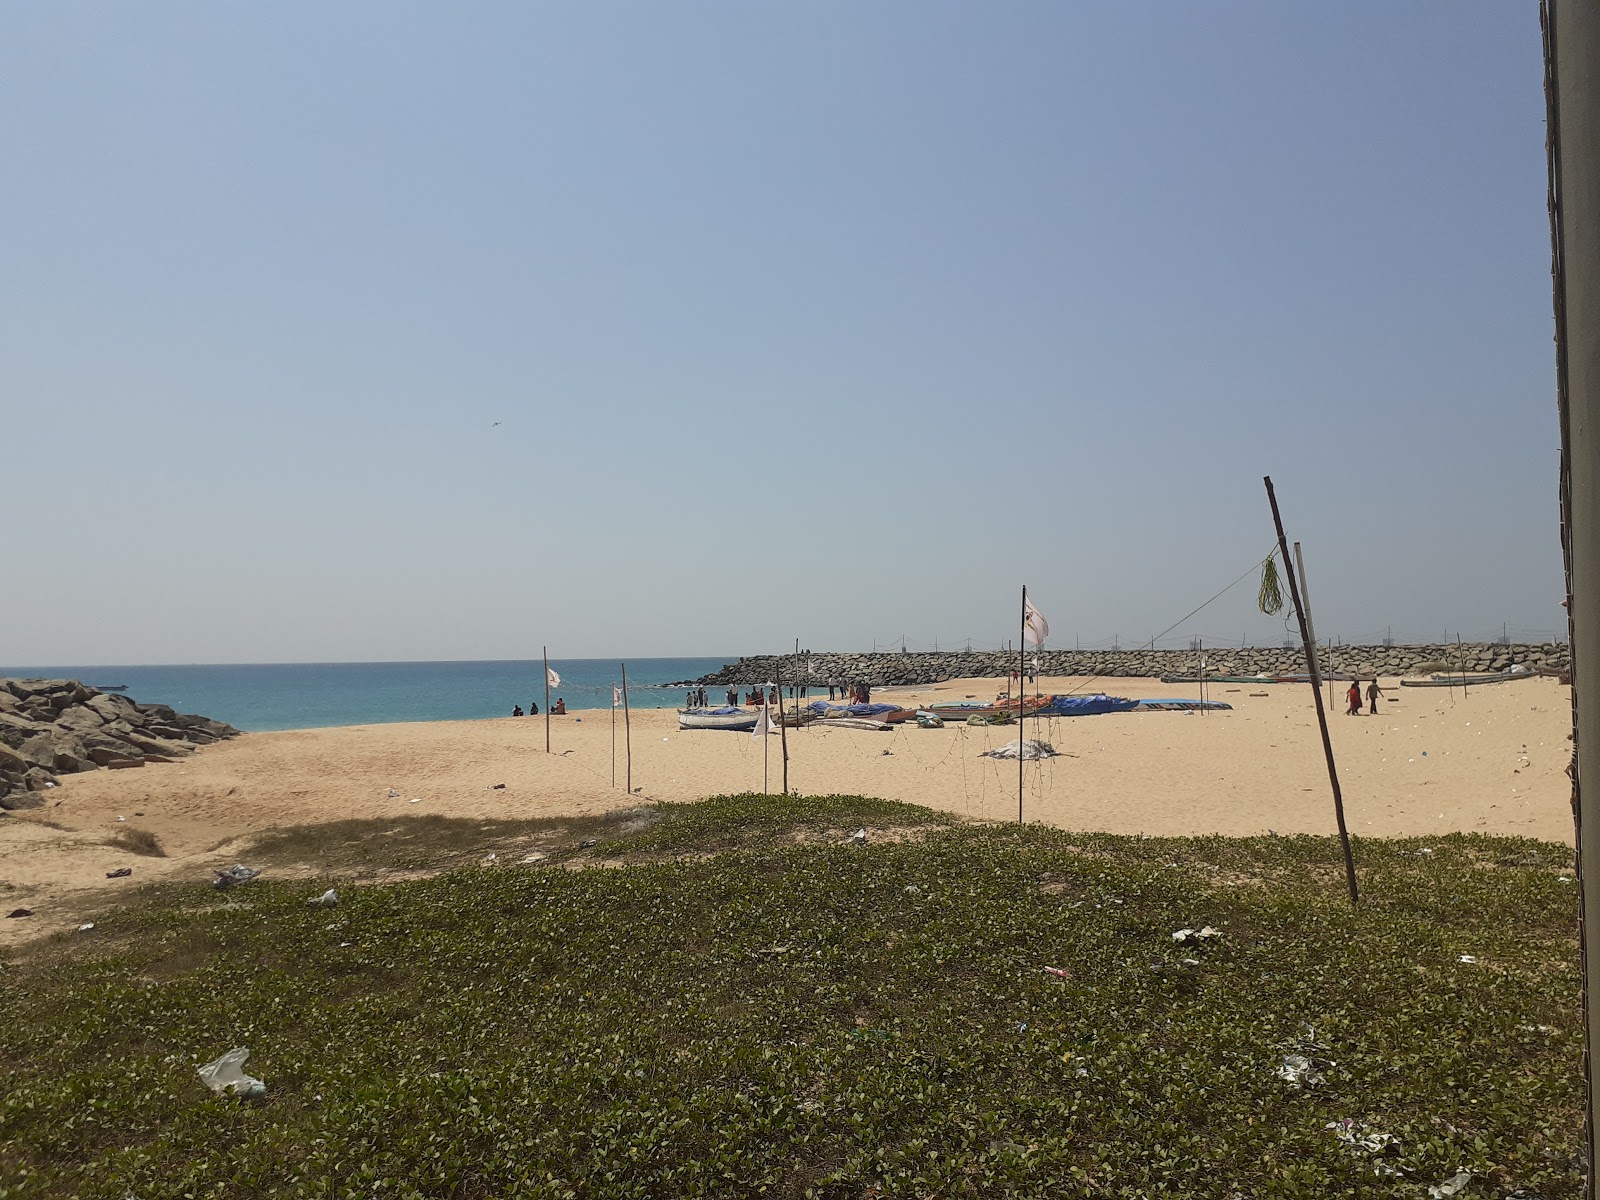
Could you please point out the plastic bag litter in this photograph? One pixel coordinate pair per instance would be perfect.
(1450, 1186)
(393, 795)
(234, 875)
(1026, 748)
(1198, 937)
(859, 837)
(1304, 1060)
(327, 900)
(224, 1076)
(1357, 1140)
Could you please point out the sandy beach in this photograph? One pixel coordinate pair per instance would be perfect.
(1491, 760)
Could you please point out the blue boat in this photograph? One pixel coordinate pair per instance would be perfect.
(1086, 706)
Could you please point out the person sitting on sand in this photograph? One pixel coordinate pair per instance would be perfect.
(533, 709)
(1354, 696)
(516, 710)
(1373, 692)
(560, 709)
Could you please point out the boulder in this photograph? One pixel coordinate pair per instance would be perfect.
(56, 750)
(26, 688)
(21, 798)
(80, 718)
(14, 729)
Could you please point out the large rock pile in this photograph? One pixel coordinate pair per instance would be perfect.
(51, 727)
(897, 669)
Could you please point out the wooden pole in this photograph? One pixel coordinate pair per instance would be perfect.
(613, 741)
(627, 728)
(1461, 660)
(1021, 643)
(783, 730)
(1316, 691)
(1572, 156)
(547, 699)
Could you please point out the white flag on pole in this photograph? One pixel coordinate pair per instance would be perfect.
(764, 725)
(552, 677)
(616, 697)
(1034, 625)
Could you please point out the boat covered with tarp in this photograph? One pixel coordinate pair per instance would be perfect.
(1086, 706)
(718, 718)
(1180, 704)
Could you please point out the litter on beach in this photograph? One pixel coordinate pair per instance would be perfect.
(234, 875)
(1196, 937)
(224, 1076)
(327, 900)
(1024, 748)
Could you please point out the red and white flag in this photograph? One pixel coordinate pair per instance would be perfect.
(551, 677)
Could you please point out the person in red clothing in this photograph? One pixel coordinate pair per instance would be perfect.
(1354, 696)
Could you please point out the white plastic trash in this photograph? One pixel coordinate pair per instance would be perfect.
(225, 1076)
(327, 900)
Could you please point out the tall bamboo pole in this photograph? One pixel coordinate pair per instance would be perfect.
(546, 699)
(613, 741)
(1022, 639)
(627, 727)
(1572, 133)
(783, 730)
(1316, 691)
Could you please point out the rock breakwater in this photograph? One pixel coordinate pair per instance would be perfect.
(54, 727)
(903, 669)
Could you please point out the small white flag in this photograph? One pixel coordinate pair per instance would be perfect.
(764, 725)
(616, 697)
(1035, 627)
(551, 677)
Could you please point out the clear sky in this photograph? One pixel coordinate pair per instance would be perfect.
(835, 321)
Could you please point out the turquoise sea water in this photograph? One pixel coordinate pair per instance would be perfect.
(307, 695)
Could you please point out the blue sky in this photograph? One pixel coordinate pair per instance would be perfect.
(819, 320)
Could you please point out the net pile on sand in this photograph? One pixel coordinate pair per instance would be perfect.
(1028, 748)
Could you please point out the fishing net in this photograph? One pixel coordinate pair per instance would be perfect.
(1270, 600)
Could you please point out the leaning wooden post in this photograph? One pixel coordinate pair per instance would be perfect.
(1316, 691)
(613, 739)
(627, 728)
(1572, 133)
(547, 699)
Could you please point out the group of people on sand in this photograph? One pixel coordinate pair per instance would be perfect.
(850, 693)
(1353, 696)
(559, 709)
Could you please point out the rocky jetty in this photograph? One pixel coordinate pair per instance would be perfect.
(53, 727)
(900, 669)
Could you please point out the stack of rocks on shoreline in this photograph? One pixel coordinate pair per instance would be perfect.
(895, 669)
(53, 727)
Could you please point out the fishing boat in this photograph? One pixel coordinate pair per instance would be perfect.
(1466, 680)
(1197, 678)
(960, 710)
(743, 719)
(1179, 704)
(1086, 706)
(109, 687)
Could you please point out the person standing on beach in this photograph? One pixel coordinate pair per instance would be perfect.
(1373, 692)
(1354, 696)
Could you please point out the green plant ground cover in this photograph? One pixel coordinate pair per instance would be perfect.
(754, 1005)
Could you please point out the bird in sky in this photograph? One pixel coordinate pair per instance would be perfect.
(496, 423)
